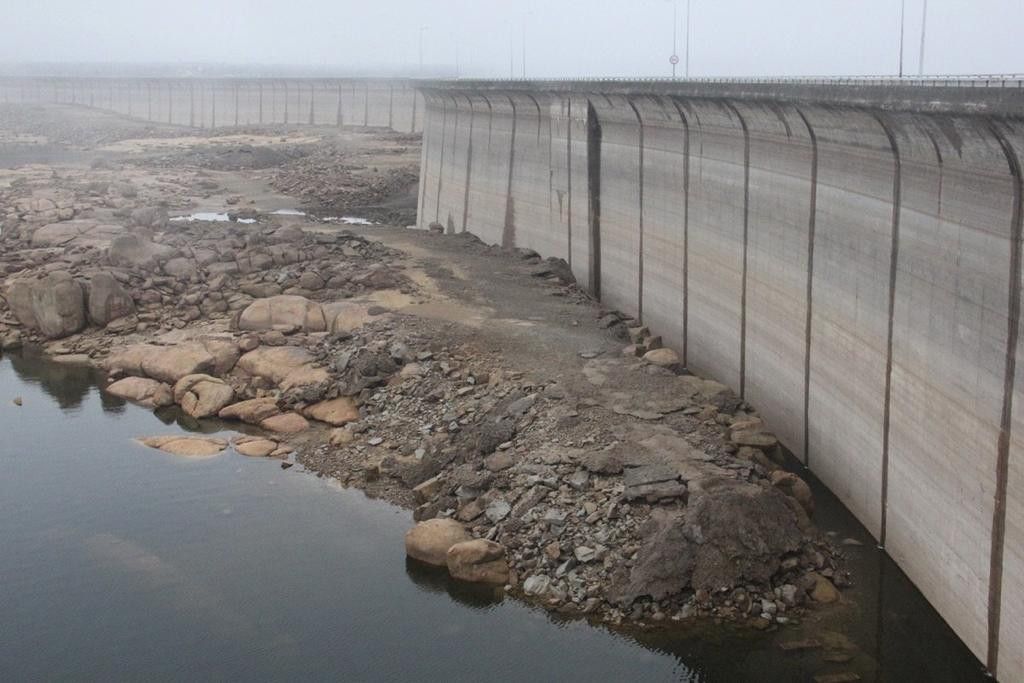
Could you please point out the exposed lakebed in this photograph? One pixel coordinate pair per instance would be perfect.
(124, 562)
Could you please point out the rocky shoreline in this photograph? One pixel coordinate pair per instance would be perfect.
(623, 489)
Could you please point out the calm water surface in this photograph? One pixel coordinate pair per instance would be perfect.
(119, 562)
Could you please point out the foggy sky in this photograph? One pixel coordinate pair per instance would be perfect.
(563, 37)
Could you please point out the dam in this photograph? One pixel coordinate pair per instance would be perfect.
(232, 102)
(845, 254)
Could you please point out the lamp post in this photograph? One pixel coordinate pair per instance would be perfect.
(423, 30)
(687, 70)
(903, 16)
(674, 59)
(924, 28)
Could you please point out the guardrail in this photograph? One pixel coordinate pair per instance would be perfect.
(945, 81)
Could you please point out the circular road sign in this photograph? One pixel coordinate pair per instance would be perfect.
(673, 60)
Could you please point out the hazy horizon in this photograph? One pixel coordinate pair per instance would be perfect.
(487, 39)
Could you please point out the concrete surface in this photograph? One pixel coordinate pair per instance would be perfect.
(223, 102)
(845, 256)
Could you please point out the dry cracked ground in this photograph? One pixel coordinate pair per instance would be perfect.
(543, 444)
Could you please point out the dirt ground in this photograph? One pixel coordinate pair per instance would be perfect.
(481, 385)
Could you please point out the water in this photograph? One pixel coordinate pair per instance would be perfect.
(211, 216)
(120, 562)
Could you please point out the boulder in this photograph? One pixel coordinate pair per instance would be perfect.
(146, 392)
(732, 533)
(824, 591)
(108, 300)
(794, 487)
(754, 438)
(188, 446)
(135, 251)
(154, 217)
(345, 316)
(201, 395)
(181, 268)
(286, 423)
(478, 561)
(171, 363)
(253, 411)
(254, 446)
(283, 311)
(58, 305)
(664, 358)
(76, 233)
(285, 366)
(19, 299)
(336, 412)
(430, 541)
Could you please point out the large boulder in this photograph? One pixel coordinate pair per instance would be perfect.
(335, 412)
(253, 411)
(732, 533)
(286, 423)
(154, 217)
(170, 363)
(479, 561)
(108, 300)
(58, 305)
(146, 392)
(19, 299)
(280, 312)
(188, 446)
(135, 251)
(285, 366)
(79, 232)
(181, 268)
(202, 395)
(430, 541)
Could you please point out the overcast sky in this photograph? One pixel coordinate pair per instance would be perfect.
(563, 37)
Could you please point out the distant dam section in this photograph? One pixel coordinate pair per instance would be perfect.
(846, 255)
(229, 102)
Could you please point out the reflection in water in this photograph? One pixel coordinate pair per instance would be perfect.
(67, 384)
(437, 580)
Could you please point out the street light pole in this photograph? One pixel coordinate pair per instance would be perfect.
(524, 47)
(422, 30)
(903, 16)
(675, 32)
(687, 39)
(924, 28)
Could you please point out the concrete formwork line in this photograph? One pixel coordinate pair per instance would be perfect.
(469, 164)
(893, 266)
(686, 227)
(391, 109)
(424, 169)
(594, 136)
(811, 225)
(746, 240)
(508, 237)
(568, 165)
(440, 166)
(995, 585)
(640, 180)
(339, 120)
(366, 105)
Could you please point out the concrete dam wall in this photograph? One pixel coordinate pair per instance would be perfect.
(847, 257)
(225, 102)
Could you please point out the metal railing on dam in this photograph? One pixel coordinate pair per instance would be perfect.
(228, 102)
(846, 254)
